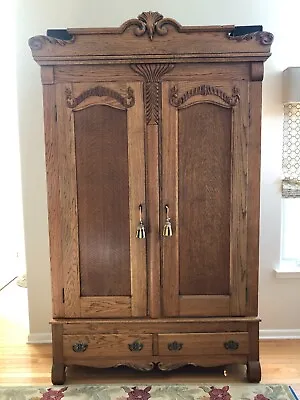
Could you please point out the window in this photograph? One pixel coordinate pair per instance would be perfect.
(290, 250)
(290, 244)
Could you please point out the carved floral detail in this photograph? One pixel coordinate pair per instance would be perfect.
(137, 393)
(152, 74)
(37, 42)
(100, 91)
(151, 23)
(264, 38)
(203, 90)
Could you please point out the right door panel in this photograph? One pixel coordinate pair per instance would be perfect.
(204, 185)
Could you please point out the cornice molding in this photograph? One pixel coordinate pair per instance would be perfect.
(264, 38)
(37, 42)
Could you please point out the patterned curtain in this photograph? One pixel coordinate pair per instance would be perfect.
(291, 151)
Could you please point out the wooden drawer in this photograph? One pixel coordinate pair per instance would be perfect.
(203, 343)
(107, 345)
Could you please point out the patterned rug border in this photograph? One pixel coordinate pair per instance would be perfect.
(142, 391)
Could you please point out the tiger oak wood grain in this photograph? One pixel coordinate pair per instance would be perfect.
(103, 217)
(106, 345)
(161, 114)
(202, 343)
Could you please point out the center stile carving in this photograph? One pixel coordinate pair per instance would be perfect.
(152, 74)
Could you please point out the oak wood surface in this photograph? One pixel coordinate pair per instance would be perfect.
(105, 346)
(195, 164)
(137, 197)
(68, 222)
(103, 212)
(152, 326)
(92, 73)
(169, 197)
(253, 203)
(149, 34)
(177, 124)
(202, 343)
(204, 160)
(153, 221)
(53, 191)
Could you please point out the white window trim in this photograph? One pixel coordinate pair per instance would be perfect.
(287, 268)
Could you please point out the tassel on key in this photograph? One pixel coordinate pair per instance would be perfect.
(167, 230)
(140, 231)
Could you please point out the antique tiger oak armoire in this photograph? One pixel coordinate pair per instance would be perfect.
(152, 134)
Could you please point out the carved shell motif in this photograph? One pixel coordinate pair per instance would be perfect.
(149, 21)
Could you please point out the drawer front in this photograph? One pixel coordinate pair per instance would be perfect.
(203, 343)
(107, 345)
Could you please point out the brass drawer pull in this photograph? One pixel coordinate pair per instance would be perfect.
(175, 346)
(80, 347)
(231, 345)
(135, 346)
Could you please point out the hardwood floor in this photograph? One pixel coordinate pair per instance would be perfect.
(24, 364)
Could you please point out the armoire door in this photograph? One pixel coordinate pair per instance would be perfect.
(101, 176)
(204, 185)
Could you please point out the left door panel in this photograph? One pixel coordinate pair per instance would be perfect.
(101, 179)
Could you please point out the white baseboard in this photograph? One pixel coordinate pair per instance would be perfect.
(279, 334)
(263, 334)
(39, 338)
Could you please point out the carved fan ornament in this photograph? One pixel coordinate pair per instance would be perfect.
(203, 90)
(152, 74)
(100, 91)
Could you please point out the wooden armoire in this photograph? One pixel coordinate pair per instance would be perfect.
(152, 135)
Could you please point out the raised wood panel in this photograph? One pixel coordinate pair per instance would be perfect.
(110, 345)
(103, 213)
(204, 199)
(212, 166)
(202, 343)
(107, 215)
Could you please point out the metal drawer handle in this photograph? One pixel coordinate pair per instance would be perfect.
(175, 346)
(231, 345)
(135, 346)
(80, 347)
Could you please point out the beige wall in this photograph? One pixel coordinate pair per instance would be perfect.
(278, 298)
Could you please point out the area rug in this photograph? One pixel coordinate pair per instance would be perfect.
(154, 391)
